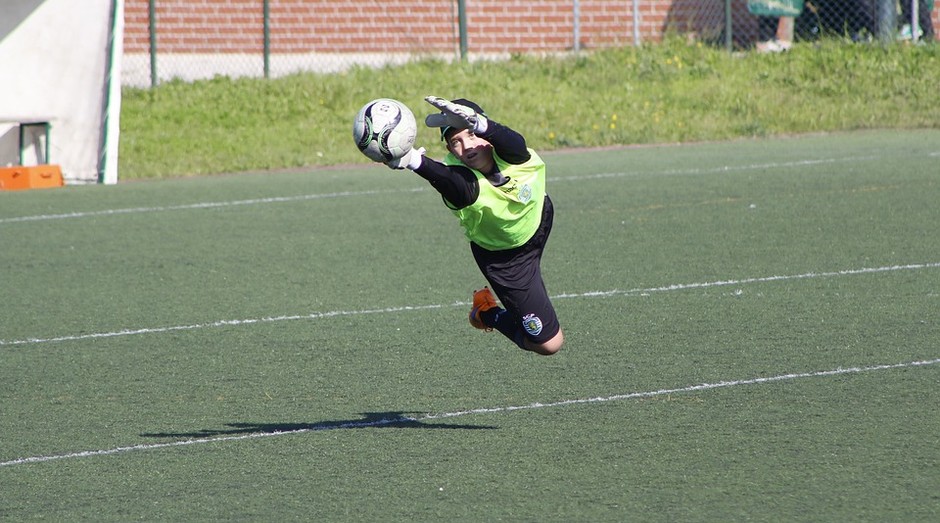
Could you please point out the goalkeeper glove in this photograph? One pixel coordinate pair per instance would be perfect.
(412, 160)
(454, 115)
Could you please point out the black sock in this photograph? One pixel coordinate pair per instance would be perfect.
(505, 323)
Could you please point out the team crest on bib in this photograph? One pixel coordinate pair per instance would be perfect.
(532, 324)
(525, 193)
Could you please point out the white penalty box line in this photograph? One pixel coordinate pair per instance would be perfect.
(590, 294)
(491, 410)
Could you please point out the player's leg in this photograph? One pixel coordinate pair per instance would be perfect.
(534, 316)
(528, 319)
(527, 316)
(549, 347)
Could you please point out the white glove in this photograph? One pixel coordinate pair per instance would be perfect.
(453, 115)
(412, 160)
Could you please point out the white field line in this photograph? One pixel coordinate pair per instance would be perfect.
(286, 199)
(722, 169)
(202, 205)
(764, 279)
(220, 323)
(489, 410)
(590, 294)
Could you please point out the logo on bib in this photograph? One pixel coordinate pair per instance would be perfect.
(525, 193)
(532, 324)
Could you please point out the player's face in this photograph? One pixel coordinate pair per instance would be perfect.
(473, 151)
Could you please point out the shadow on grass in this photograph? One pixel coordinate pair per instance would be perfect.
(368, 420)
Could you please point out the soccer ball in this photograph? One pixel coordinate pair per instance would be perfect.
(384, 130)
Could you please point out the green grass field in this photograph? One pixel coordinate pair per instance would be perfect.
(753, 334)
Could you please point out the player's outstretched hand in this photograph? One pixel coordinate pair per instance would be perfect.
(451, 115)
(411, 159)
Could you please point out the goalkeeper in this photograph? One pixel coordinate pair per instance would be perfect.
(495, 185)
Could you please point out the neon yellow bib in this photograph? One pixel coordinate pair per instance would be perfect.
(506, 216)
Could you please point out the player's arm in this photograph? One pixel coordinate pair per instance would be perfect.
(507, 143)
(456, 183)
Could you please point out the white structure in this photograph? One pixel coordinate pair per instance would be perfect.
(60, 63)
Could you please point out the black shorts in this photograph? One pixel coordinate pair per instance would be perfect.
(515, 275)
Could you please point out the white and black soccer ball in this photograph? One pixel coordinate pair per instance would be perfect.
(385, 130)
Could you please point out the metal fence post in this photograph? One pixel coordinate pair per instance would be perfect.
(462, 21)
(267, 39)
(577, 25)
(152, 28)
(887, 19)
(729, 40)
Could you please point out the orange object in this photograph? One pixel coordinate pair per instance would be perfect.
(33, 177)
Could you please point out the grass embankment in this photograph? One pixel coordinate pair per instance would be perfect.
(672, 92)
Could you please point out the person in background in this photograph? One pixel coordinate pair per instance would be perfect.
(767, 41)
(924, 20)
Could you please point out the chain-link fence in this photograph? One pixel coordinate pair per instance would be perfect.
(197, 39)
(773, 25)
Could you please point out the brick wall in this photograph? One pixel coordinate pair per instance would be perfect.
(414, 26)
(298, 26)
